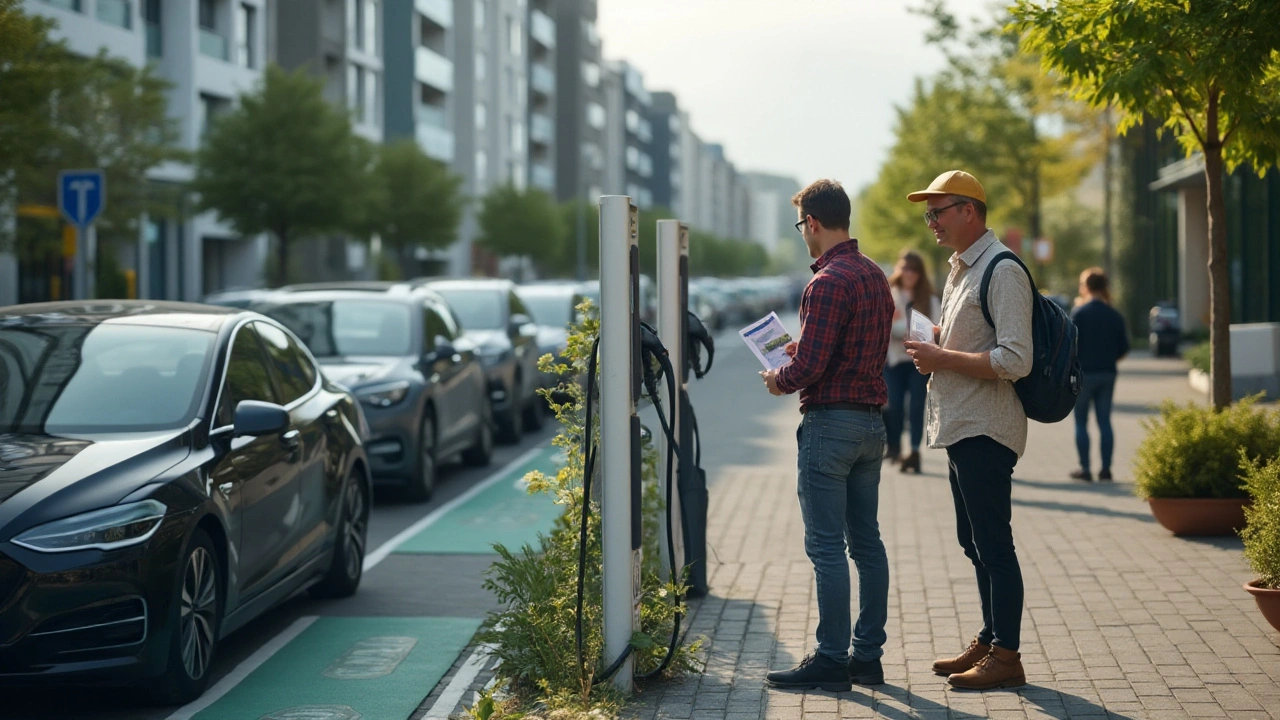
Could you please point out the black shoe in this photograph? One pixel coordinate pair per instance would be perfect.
(892, 454)
(911, 463)
(815, 671)
(866, 672)
(1084, 475)
(1104, 475)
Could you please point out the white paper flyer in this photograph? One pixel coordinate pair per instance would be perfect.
(768, 340)
(920, 328)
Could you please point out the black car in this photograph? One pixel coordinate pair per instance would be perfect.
(554, 307)
(400, 350)
(168, 472)
(503, 330)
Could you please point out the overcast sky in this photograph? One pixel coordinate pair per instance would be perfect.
(799, 87)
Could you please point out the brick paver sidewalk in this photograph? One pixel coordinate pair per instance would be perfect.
(1121, 617)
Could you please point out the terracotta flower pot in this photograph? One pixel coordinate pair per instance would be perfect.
(1199, 516)
(1268, 602)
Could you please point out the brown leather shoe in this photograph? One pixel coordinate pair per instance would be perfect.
(962, 662)
(1000, 669)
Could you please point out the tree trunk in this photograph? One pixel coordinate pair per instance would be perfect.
(282, 258)
(1219, 285)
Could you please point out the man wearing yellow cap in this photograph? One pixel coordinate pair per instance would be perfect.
(974, 413)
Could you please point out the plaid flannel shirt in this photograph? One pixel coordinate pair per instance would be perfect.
(845, 317)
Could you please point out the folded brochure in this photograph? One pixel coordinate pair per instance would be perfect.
(768, 340)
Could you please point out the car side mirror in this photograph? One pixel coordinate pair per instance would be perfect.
(443, 351)
(256, 418)
(522, 324)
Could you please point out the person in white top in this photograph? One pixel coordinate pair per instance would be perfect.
(911, 290)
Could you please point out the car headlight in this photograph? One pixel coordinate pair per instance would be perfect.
(107, 529)
(384, 395)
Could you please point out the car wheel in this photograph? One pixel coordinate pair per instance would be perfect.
(195, 620)
(348, 554)
(481, 453)
(422, 484)
(511, 422)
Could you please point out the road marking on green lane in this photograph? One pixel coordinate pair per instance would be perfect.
(503, 512)
(343, 667)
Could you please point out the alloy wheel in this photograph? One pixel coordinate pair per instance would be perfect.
(354, 537)
(198, 612)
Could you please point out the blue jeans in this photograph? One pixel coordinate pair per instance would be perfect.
(904, 380)
(1095, 388)
(839, 486)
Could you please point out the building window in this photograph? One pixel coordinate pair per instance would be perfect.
(353, 80)
(482, 167)
(591, 74)
(246, 31)
(482, 116)
(482, 7)
(360, 109)
(516, 33)
(371, 103)
(353, 9)
(211, 108)
(116, 12)
(515, 129)
(209, 15)
(151, 18)
(482, 68)
(595, 115)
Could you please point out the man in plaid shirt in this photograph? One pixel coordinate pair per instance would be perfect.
(837, 367)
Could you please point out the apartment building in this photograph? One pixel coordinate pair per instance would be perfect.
(628, 133)
(771, 211)
(580, 114)
(210, 51)
(542, 95)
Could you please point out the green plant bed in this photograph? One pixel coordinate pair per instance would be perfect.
(1193, 451)
(1261, 533)
(1198, 356)
(534, 634)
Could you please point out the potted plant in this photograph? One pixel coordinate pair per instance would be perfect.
(1261, 535)
(1188, 466)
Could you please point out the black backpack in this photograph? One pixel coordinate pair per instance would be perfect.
(1049, 393)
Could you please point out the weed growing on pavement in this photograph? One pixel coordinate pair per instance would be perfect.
(1261, 533)
(534, 634)
(1193, 451)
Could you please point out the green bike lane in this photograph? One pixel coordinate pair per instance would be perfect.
(377, 655)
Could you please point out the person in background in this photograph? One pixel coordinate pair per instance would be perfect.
(1103, 341)
(911, 290)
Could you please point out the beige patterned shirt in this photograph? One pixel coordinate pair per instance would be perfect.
(960, 406)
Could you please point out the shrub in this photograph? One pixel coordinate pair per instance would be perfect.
(534, 633)
(1197, 356)
(1192, 451)
(1261, 533)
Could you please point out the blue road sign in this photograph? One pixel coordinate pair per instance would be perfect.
(81, 196)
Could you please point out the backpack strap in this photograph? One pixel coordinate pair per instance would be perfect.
(986, 281)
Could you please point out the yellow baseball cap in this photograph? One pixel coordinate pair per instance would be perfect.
(952, 182)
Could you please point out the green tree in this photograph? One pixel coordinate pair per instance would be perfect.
(414, 199)
(573, 214)
(516, 222)
(286, 162)
(1208, 70)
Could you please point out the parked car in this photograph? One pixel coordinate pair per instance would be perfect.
(502, 328)
(237, 298)
(168, 473)
(399, 348)
(554, 308)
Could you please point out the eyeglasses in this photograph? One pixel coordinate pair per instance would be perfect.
(931, 216)
(801, 222)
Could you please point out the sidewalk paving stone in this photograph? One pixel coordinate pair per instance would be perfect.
(1122, 619)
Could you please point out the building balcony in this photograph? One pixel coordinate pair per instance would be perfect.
(542, 29)
(214, 45)
(542, 79)
(434, 139)
(542, 177)
(438, 11)
(541, 129)
(434, 69)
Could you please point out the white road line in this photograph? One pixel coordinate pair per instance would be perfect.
(453, 693)
(372, 559)
(241, 671)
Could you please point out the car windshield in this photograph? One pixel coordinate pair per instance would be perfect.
(550, 310)
(476, 309)
(338, 328)
(100, 378)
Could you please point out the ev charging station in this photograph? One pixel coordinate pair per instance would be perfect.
(673, 330)
(620, 428)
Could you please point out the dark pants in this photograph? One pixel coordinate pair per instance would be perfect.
(904, 380)
(981, 485)
(1096, 388)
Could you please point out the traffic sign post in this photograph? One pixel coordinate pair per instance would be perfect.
(82, 194)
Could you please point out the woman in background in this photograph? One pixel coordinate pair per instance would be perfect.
(911, 289)
(1101, 341)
